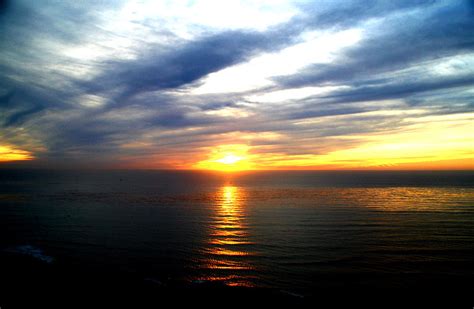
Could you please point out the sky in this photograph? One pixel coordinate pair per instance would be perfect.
(231, 85)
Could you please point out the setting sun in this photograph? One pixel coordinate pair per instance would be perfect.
(227, 158)
(230, 159)
(276, 151)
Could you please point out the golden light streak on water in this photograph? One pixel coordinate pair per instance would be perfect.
(227, 252)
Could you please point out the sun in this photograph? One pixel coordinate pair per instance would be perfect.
(230, 159)
(227, 158)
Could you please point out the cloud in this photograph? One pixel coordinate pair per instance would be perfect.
(397, 89)
(397, 42)
(124, 82)
(185, 63)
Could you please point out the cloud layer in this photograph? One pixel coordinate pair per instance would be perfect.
(303, 84)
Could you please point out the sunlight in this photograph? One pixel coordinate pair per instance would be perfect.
(227, 158)
(230, 159)
(229, 196)
(8, 154)
(315, 47)
(428, 142)
(228, 238)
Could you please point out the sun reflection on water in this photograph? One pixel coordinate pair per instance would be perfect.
(228, 251)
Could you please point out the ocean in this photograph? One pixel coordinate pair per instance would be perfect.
(293, 231)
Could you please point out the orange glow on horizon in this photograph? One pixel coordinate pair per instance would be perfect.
(228, 158)
(444, 144)
(11, 154)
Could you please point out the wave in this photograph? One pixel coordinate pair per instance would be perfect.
(32, 251)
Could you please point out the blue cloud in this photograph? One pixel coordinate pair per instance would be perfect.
(400, 42)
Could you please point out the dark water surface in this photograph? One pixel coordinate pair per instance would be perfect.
(293, 231)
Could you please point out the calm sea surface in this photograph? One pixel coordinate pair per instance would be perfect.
(294, 231)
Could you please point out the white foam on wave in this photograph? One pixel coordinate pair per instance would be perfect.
(32, 251)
